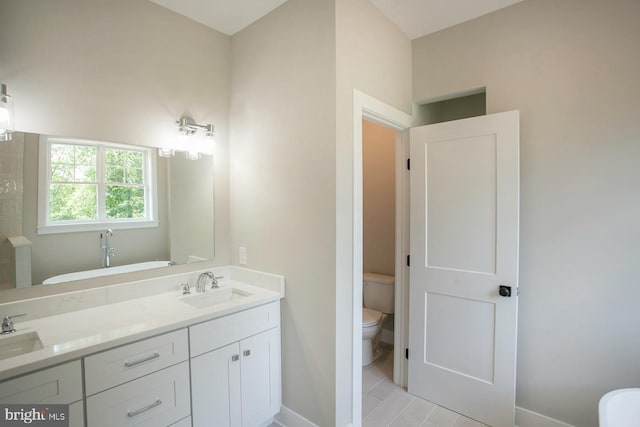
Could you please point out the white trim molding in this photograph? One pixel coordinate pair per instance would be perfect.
(527, 418)
(367, 107)
(288, 418)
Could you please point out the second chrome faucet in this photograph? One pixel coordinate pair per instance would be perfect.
(202, 279)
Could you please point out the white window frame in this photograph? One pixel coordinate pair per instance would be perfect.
(45, 226)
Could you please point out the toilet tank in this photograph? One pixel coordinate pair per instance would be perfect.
(378, 292)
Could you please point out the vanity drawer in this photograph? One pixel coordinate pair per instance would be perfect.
(219, 332)
(159, 399)
(122, 364)
(58, 385)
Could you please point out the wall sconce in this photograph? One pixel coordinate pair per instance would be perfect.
(6, 114)
(187, 126)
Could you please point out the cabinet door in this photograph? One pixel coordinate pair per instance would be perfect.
(261, 380)
(215, 388)
(76, 414)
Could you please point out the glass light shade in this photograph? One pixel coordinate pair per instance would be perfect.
(192, 155)
(166, 152)
(6, 114)
(209, 131)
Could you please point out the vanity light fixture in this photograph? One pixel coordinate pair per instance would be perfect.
(187, 126)
(6, 114)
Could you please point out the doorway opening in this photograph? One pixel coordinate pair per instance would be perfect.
(468, 104)
(373, 110)
(378, 251)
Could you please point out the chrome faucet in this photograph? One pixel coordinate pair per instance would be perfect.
(185, 288)
(106, 250)
(7, 324)
(202, 278)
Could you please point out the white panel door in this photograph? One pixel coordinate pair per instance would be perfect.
(464, 245)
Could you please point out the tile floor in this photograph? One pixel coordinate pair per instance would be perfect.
(385, 404)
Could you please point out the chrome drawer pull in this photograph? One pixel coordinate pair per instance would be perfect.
(246, 353)
(144, 359)
(158, 402)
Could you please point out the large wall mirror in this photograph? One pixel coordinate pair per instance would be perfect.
(183, 231)
(107, 71)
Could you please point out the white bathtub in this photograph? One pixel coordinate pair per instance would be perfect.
(88, 274)
(620, 408)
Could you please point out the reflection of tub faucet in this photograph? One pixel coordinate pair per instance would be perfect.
(106, 250)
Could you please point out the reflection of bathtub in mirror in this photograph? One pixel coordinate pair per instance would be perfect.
(88, 274)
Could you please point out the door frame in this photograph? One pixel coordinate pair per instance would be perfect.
(371, 109)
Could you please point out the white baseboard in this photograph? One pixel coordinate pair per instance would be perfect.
(289, 418)
(527, 418)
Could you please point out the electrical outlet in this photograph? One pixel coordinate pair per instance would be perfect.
(242, 255)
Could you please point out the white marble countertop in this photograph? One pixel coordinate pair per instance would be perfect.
(74, 334)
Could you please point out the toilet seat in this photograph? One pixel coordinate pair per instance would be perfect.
(370, 317)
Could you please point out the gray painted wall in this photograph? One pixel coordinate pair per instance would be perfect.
(283, 185)
(571, 68)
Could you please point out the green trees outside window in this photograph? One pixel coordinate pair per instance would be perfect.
(95, 183)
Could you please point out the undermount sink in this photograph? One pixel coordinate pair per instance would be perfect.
(620, 408)
(214, 296)
(16, 345)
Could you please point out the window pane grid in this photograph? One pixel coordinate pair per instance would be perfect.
(96, 183)
(124, 167)
(73, 163)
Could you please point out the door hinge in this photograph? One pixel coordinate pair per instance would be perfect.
(408, 260)
(408, 164)
(406, 353)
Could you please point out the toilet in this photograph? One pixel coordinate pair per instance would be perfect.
(378, 293)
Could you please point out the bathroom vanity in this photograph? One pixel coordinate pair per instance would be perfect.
(144, 354)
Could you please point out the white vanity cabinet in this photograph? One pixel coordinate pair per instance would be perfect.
(57, 385)
(223, 371)
(235, 368)
(141, 384)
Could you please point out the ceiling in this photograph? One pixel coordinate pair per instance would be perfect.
(420, 17)
(414, 17)
(226, 16)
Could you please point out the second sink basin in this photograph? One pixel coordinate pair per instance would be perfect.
(213, 297)
(16, 345)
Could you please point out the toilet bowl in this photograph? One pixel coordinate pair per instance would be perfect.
(371, 328)
(378, 293)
